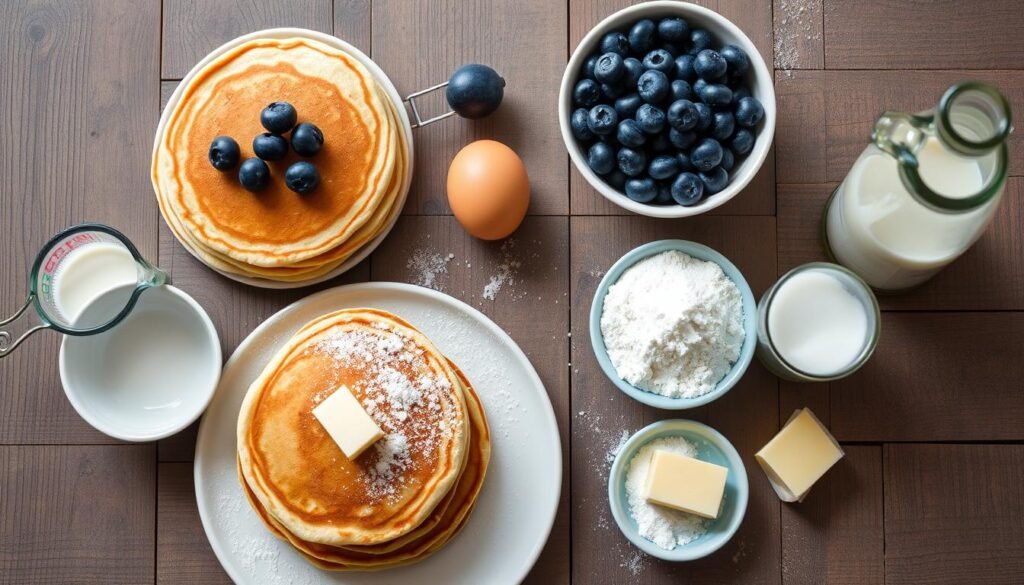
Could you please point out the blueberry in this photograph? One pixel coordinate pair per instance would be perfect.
(626, 106)
(653, 86)
(650, 118)
(706, 155)
(629, 134)
(609, 68)
(685, 166)
(728, 160)
(664, 193)
(254, 174)
(617, 179)
(270, 146)
(682, 68)
(714, 180)
(715, 94)
(659, 60)
(641, 36)
(681, 90)
(586, 93)
(736, 58)
(474, 91)
(602, 119)
(683, 115)
(700, 39)
(663, 167)
(601, 158)
(307, 139)
(742, 141)
(580, 128)
(681, 140)
(673, 30)
(631, 162)
(739, 93)
(588, 67)
(749, 112)
(705, 116)
(279, 117)
(302, 177)
(687, 189)
(224, 153)
(660, 143)
(634, 69)
(722, 125)
(615, 42)
(709, 64)
(613, 91)
(641, 190)
(698, 86)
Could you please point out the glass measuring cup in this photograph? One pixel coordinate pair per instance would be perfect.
(74, 268)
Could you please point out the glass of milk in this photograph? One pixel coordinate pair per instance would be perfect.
(819, 322)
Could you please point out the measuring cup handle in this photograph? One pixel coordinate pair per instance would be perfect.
(8, 343)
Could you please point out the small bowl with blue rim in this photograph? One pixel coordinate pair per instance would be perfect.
(711, 447)
(700, 252)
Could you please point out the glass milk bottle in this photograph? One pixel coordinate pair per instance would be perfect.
(923, 191)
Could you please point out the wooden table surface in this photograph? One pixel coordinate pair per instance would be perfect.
(932, 487)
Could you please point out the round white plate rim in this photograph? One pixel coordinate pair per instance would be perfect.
(548, 413)
(382, 79)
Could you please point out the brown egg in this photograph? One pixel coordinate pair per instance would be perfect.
(488, 189)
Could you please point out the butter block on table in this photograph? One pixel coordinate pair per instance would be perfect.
(347, 422)
(685, 483)
(799, 455)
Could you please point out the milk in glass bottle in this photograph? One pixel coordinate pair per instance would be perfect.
(923, 191)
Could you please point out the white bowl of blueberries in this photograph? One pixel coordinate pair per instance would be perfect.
(667, 109)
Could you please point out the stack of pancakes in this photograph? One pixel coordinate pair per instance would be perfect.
(275, 233)
(404, 497)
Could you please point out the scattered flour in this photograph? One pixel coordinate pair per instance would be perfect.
(427, 266)
(673, 325)
(799, 22)
(506, 271)
(664, 527)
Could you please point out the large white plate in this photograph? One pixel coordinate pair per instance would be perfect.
(517, 505)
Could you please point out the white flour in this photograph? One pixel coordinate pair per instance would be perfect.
(673, 325)
(664, 527)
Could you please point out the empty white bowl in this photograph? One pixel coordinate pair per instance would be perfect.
(149, 376)
(725, 32)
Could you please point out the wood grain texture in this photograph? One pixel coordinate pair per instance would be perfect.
(193, 28)
(420, 44)
(937, 377)
(953, 514)
(799, 39)
(939, 34)
(78, 82)
(77, 514)
(352, 23)
(183, 553)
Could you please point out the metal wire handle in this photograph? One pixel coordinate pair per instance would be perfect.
(6, 345)
(418, 121)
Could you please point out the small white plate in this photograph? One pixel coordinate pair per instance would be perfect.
(517, 505)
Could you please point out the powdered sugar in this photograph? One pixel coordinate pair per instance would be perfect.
(427, 266)
(664, 527)
(506, 271)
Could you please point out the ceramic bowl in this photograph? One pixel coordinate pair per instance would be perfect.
(725, 32)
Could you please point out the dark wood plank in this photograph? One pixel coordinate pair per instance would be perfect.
(937, 377)
(77, 514)
(800, 129)
(602, 415)
(420, 44)
(953, 514)
(799, 42)
(989, 276)
(352, 23)
(193, 28)
(183, 553)
(79, 81)
(890, 34)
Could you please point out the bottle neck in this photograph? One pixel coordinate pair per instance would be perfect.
(973, 118)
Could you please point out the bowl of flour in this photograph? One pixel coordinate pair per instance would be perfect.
(674, 324)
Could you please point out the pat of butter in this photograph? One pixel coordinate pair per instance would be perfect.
(347, 422)
(799, 455)
(686, 484)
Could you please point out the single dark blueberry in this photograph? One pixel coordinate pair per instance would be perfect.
(602, 119)
(302, 177)
(687, 189)
(224, 153)
(631, 162)
(722, 125)
(634, 69)
(737, 59)
(715, 95)
(651, 119)
(664, 192)
(617, 179)
(698, 86)
(739, 92)
(714, 180)
(587, 93)
(681, 140)
(613, 91)
(653, 86)
(474, 91)
(663, 167)
(307, 139)
(270, 146)
(601, 158)
(682, 68)
(659, 60)
(279, 117)
(641, 36)
(588, 67)
(609, 68)
(685, 166)
(673, 30)
(681, 90)
(700, 39)
(627, 105)
(629, 134)
(580, 129)
(709, 64)
(742, 142)
(615, 42)
(705, 116)
(660, 143)
(728, 160)
(254, 174)
(641, 190)
(749, 112)
(706, 155)
(683, 115)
